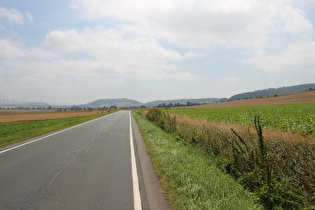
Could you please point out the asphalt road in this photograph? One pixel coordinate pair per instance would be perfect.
(86, 167)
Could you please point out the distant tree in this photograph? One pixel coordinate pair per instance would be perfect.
(75, 108)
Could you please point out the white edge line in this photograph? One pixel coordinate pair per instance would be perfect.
(136, 190)
(47, 136)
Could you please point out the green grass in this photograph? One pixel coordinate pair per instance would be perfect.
(280, 173)
(17, 131)
(298, 118)
(190, 179)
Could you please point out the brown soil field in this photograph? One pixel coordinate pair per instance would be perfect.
(20, 116)
(295, 98)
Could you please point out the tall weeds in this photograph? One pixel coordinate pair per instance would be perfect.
(281, 173)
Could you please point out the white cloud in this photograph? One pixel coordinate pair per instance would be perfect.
(10, 49)
(160, 42)
(14, 16)
(29, 16)
(118, 52)
(109, 43)
(191, 55)
(64, 40)
(230, 79)
(199, 23)
(11, 15)
(98, 57)
(15, 50)
(186, 76)
(266, 30)
(299, 57)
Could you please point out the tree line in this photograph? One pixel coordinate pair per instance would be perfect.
(164, 105)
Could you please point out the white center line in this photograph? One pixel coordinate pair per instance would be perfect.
(136, 190)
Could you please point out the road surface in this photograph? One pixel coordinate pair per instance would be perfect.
(89, 166)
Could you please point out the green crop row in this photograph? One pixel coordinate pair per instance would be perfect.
(299, 118)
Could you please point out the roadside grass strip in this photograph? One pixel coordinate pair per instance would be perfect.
(190, 179)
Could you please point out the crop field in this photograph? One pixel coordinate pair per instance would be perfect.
(290, 98)
(16, 125)
(298, 118)
(270, 150)
(23, 116)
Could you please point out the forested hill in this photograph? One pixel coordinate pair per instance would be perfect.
(120, 102)
(273, 91)
(185, 101)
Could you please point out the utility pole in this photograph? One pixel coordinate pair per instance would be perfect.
(2, 98)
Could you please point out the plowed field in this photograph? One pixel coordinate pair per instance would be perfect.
(297, 98)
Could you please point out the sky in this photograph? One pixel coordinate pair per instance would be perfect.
(78, 51)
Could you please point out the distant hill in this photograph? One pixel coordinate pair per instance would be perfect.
(184, 101)
(273, 91)
(120, 102)
(124, 102)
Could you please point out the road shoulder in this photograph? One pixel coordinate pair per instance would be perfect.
(154, 196)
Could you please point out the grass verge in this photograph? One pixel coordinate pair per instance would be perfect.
(17, 131)
(190, 179)
(280, 173)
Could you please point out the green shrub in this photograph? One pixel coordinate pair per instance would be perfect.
(280, 173)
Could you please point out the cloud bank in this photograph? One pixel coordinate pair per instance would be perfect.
(124, 41)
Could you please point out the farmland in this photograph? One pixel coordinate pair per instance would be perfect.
(16, 126)
(298, 118)
(289, 98)
(270, 149)
(23, 116)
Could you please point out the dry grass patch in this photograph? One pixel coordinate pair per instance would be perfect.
(269, 134)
